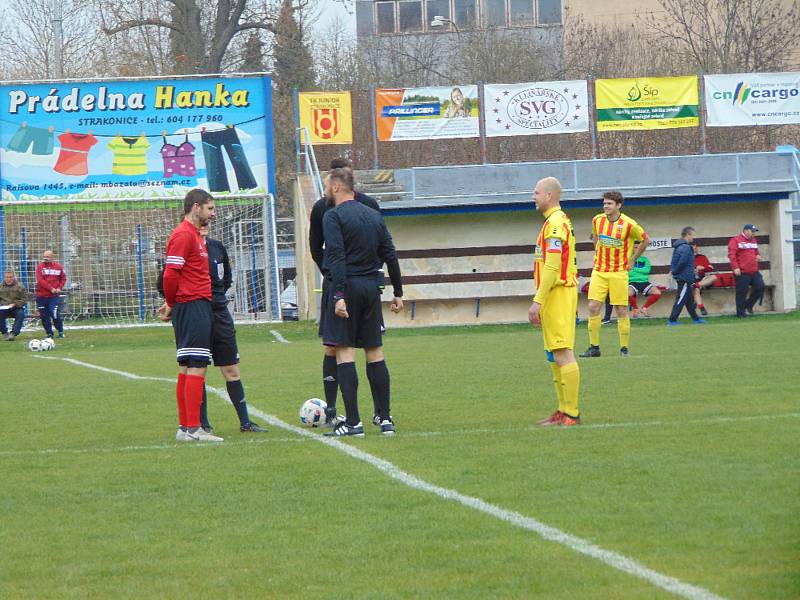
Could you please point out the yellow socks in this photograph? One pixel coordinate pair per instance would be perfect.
(594, 330)
(559, 385)
(571, 382)
(624, 330)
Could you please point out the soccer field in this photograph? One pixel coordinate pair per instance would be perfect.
(683, 480)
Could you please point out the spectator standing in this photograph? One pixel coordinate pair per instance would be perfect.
(743, 256)
(12, 304)
(50, 281)
(682, 268)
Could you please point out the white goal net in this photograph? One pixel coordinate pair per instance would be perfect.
(113, 250)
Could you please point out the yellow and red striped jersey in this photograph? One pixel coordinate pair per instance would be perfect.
(614, 242)
(556, 235)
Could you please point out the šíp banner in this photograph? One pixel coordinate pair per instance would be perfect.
(136, 138)
(647, 103)
(427, 113)
(536, 108)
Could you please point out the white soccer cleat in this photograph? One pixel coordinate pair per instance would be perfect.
(202, 436)
(180, 435)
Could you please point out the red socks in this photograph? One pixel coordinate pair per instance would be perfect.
(181, 398)
(632, 302)
(651, 300)
(193, 394)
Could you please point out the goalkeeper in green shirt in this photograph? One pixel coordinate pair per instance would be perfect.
(639, 284)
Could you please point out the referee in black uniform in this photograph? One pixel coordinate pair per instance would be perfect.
(357, 244)
(316, 242)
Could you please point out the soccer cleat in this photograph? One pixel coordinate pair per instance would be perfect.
(376, 420)
(703, 311)
(553, 419)
(204, 436)
(605, 322)
(673, 323)
(568, 421)
(252, 428)
(699, 321)
(623, 351)
(635, 313)
(342, 429)
(387, 427)
(207, 429)
(61, 334)
(330, 417)
(591, 352)
(180, 435)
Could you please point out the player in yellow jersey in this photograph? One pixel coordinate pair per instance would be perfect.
(555, 273)
(618, 242)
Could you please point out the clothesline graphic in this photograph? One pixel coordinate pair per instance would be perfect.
(108, 135)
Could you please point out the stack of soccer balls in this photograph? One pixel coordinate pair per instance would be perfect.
(41, 345)
(312, 413)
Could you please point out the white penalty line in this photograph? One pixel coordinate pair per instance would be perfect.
(609, 557)
(278, 336)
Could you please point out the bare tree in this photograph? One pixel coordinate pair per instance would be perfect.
(729, 36)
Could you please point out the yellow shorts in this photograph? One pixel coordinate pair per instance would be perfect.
(558, 318)
(614, 285)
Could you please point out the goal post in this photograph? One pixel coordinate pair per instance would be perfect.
(113, 250)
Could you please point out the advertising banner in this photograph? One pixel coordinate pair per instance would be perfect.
(427, 113)
(328, 117)
(647, 103)
(536, 108)
(137, 138)
(752, 99)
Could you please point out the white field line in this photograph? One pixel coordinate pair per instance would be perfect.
(278, 337)
(609, 557)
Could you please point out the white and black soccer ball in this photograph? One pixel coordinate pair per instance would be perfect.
(35, 345)
(47, 344)
(312, 413)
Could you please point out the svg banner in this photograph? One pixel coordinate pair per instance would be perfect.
(427, 113)
(752, 99)
(647, 103)
(137, 138)
(535, 108)
(328, 117)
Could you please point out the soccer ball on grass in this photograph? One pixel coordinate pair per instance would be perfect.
(34, 346)
(47, 344)
(312, 413)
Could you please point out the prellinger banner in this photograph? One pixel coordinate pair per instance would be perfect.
(137, 138)
(752, 99)
(427, 113)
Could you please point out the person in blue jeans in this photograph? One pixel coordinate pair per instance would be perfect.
(50, 281)
(682, 269)
(12, 305)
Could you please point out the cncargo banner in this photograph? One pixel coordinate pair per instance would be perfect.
(534, 108)
(647, 103)
(327, 116)
(752, 99)
(138, 138)
(427, 113)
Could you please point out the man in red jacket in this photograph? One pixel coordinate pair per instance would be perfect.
(50, 281)
(743, 256)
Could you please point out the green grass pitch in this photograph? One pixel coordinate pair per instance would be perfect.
(687, 462)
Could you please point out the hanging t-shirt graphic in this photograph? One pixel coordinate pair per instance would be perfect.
(129, 155)
(73, 159)
(213, 143)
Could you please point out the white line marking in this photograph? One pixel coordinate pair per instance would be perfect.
(279, 337)
(613, 559)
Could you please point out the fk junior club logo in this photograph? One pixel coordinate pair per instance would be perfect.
(326, 122)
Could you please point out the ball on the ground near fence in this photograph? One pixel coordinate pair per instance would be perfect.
(312, 413)
(47, 344)
(34, 345)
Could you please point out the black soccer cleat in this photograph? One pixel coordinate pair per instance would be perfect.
(591, 352)
(342, 429)
(623, 351)
(250, 427)
(387, 427)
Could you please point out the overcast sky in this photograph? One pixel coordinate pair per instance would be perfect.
(330, 11)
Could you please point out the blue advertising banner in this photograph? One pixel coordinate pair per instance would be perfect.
(136, 138)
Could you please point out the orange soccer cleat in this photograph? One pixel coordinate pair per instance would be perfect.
(554, 419)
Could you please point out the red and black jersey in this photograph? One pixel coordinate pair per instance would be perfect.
(187, 254)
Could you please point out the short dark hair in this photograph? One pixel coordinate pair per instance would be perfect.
(195, 196)
(615, 196)
(687, 230)
(343, 176)
(341, 162)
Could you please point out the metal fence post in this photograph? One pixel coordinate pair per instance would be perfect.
(482, 123)
(374, 120)
(593, 115)
(296, 102)
(702, 110)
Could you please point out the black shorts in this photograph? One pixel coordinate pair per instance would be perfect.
(192, 323)
(364, 327)
(223, 338)
(643, 288)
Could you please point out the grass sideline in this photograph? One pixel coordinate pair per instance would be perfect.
(687, 463)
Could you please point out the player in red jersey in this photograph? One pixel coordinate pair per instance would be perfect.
(187, 290)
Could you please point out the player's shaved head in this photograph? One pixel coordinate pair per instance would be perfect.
(551, 185)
